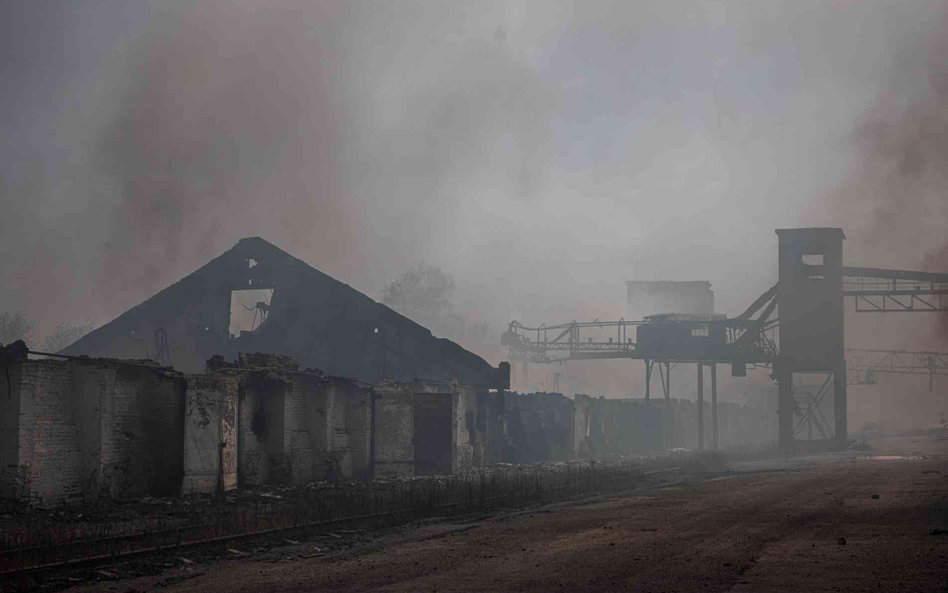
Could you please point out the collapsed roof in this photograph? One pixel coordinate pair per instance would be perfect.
(256, 297)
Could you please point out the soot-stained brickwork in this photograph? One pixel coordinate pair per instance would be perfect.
(89, 430)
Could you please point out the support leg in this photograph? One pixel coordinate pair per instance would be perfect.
(665, 375)
(785, 410)
(668, 380)
(648, 381)
(809, 417)
(839, 404)
(714, 406)
(700, 406)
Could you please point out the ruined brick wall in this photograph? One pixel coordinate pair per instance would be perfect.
(357, 402)
(48, 468)
(10, 486)
(581, 420)
(307, 410)
(300, 426)
(130, 429)
(309, 447)
(435, 428)
(50, 454)
(351, 425)
(738, 424)
(97, 429)
(465, 427)
(252, 463)
(82, 430)
(394, 450)
(605, 431)
(297, 440)
(260, 427)
(539, 427)
(495, 419)
(210, 434)
(480, 437)
(627, 426)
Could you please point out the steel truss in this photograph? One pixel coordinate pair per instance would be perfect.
(864, 364)
(746, 338)
(808, 408)
(876, 290)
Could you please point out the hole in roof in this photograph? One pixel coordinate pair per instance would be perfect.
(249, 309)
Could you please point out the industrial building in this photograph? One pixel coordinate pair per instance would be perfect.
(256, 297)
(86, 430)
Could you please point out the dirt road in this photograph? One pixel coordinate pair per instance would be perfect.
(812, 525)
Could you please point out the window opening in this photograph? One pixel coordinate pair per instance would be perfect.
(248, 310)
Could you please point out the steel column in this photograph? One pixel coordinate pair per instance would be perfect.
(714, 406)
(785, 410)
(648, 381)
(665, 376)
(839, 400)
(700, 406)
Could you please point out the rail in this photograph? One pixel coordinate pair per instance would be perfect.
(57, 546)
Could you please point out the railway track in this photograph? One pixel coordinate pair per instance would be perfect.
(37, 561)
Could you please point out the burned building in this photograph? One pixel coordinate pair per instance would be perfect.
(89, 430)
(94, 430)
(257, 298)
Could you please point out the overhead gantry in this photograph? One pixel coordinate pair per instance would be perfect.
(864, 365)
(808, 337)
(668, 339)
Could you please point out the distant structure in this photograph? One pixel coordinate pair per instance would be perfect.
(256, 297)
(653, 298)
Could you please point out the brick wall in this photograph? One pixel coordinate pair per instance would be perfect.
(50, 462)
(539, 427)
(130, 429)
(304, 420)
(81, 430)
(394, 452)
(340, 451)
(10, 485)
(357, 401)
(97, 429)
(299, 426)
(465, 427)
(581, 426)
(260, 427)
(210, 421)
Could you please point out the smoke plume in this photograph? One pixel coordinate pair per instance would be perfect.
(899, 186)
(540, 152)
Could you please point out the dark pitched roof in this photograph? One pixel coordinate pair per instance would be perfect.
(316, 319)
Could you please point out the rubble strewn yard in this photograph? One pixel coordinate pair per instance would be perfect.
(853, 521)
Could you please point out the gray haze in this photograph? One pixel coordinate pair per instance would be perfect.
(543, 152)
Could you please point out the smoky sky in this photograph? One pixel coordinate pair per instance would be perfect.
(542, 152)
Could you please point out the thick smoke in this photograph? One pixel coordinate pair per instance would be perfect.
(541, 152)
(224, 119)
(899, 187)
(233, 114)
